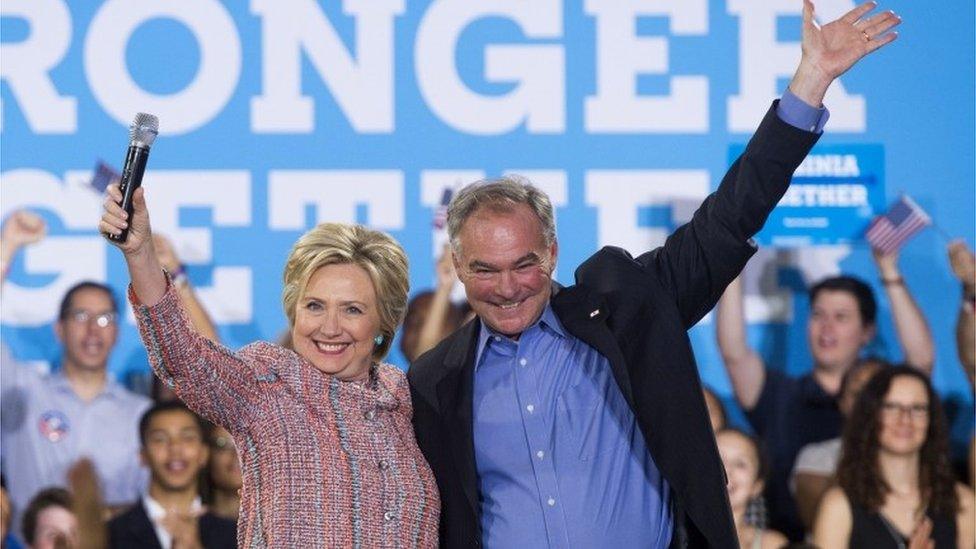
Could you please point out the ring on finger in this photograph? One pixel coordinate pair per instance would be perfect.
(867, 38)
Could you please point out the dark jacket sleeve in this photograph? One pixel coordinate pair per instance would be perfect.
(703, 256)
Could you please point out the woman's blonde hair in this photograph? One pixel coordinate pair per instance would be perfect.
(375, 252)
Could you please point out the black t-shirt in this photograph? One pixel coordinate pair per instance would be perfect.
(791, 412)
(870, 529)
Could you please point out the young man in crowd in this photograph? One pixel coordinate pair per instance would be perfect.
(52, 420)
(169, 514)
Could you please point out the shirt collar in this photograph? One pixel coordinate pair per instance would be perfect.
(547, 322)
(111, 389)
(156, 511)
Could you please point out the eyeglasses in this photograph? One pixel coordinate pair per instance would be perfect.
(102, 320)
(916, 412)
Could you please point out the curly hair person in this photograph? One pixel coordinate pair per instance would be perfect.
(859, 472)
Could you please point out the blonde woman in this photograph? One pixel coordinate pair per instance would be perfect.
(328, 453)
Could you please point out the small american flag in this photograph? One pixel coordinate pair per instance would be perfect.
(890, 231)
(440, 216)
(103, 176)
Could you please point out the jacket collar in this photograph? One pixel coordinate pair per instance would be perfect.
(455, 396)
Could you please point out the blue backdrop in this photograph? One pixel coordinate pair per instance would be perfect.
(276, 115)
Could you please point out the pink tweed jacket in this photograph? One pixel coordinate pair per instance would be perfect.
(326, 463)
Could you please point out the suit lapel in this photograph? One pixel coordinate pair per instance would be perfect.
(585, 316)
(455, 394)
(142, 528)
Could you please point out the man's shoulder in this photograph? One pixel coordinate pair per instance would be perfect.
(216, 523)
(612, 269)
(131, 528)
(129, 399)
(430, 367)
(131, 514)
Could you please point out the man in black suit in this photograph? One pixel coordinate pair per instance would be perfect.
(170, 515)
(574, 416)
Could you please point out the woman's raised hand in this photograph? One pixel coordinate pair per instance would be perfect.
(115, 219)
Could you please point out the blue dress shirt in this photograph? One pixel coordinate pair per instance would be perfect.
(560, 459)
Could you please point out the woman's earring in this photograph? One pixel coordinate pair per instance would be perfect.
(378, 340)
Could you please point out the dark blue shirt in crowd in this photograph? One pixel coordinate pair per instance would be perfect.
(791, 412)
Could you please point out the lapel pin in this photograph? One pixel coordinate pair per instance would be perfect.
(594, 313)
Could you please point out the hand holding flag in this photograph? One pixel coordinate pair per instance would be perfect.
(890, 231)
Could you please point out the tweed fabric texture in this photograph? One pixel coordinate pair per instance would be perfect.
(325, 463)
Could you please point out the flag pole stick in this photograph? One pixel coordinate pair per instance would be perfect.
(945, 236)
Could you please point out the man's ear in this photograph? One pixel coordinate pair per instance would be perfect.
(456, 260)
(59, 330)
(553, 256)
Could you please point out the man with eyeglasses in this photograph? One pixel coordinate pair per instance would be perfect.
(77, 410)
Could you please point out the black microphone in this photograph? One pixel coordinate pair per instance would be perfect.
(142, 133)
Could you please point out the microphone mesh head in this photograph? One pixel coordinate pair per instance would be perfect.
(144, 129)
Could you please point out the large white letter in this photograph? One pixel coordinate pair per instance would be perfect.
(362, 88)
(181, 112)
(762, 60)
(26, 64)
(336, 194)
(78, 207)
(617, 195)
(539, 96)
(228, 195)
(622, 56)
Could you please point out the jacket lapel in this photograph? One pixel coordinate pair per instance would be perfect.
(455, 395)
(585, 316)
(141, 528)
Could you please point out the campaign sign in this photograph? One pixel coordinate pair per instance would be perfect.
(834, 194)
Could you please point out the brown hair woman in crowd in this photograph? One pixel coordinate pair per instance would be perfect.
(896, 486)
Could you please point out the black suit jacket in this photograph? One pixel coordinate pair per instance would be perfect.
(636, 313)
(133, 530)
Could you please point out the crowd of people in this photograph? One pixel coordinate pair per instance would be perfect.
(533, 415)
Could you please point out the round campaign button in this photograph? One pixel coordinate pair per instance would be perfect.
(53, 425)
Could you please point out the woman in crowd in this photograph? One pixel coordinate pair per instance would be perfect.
(328, 453)
(896, 486)
(224, 474)
(746, 470)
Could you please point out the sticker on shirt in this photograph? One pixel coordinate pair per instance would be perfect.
(54, 425)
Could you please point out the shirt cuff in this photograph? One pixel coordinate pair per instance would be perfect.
(797, 113)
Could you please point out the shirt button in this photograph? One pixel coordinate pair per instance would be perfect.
(388, 516)
(498, 338)
(523, 362)
(540, 454)
(384, 464)
(551, 502)
(530, 408)
(370, 415)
